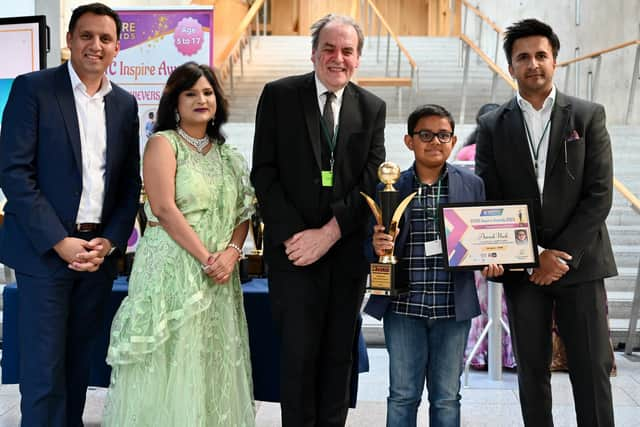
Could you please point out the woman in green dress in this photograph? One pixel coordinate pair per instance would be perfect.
(179, 345)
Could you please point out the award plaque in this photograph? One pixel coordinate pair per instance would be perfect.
(385, 274)
(255, 261)
(476, 234)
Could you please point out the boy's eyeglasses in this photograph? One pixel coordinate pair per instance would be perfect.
(428, 136)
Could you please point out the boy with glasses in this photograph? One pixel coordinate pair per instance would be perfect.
(426, 329)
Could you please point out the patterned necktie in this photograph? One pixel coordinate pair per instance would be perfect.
(327, 113)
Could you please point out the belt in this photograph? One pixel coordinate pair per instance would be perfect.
(87, 227)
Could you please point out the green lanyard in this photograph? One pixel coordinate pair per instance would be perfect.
(426, 196)
(331, 142)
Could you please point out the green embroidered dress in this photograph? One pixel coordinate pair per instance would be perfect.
(179, 346)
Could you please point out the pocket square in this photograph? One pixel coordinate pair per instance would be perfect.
(573, 136)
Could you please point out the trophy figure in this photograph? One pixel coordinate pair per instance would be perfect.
(384, 278)
(255, 261)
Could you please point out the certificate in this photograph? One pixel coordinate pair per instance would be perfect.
(476, 234)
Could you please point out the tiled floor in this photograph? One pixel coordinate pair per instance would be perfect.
(484, 402)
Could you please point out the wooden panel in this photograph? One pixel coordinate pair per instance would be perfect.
(405, 17)
(226, 18)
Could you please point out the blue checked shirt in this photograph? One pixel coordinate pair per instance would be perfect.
(431, 291)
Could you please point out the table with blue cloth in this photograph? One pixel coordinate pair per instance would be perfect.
(263, 341)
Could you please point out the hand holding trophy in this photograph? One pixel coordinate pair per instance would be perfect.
(384, 273)
(255, 261)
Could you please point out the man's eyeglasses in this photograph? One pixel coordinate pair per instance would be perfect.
(427, 136)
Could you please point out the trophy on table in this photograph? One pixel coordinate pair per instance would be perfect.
(255, 261)
(385, 274)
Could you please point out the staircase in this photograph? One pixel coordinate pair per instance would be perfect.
(440, 75)
(440, 80)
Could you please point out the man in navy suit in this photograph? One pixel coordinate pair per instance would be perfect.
(69, 166)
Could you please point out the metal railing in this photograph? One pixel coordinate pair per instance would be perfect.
(593, 78)
(372, 21)
(242, 39)
(467, 45)
(635, 303)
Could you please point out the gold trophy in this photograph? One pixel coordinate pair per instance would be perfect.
(255, 261)
(385, 274)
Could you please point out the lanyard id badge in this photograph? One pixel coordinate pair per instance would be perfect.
(327, 176)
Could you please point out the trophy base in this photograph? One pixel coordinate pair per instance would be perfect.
(255, 265)
(385, 280)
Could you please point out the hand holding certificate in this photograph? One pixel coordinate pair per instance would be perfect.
(478, 234)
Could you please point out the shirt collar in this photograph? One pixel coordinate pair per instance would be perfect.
(321, 89)
(76, 83)
(416, 178)
(546, 105)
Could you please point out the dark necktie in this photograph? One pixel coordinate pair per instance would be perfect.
(327, 114)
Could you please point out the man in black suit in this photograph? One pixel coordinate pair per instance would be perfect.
(554, 150)
(69, 166)
(318, 142)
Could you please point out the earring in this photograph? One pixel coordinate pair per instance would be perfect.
(213, 122)
(177, 117)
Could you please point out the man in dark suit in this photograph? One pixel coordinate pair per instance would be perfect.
(318, 142)
(554, 150)
(69, 166)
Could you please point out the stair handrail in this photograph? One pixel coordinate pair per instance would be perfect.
(382, 22)
(467, 44)
(235, 46)
(594, 78)
(482, 16)
(635, 302)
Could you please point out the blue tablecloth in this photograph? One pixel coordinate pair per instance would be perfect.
(263, 341)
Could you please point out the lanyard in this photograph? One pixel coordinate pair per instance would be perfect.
(426, 196)
(331, 142)
(535, 150)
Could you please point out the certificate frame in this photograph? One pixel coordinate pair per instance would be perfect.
(474, 235)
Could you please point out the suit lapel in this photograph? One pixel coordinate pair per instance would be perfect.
(64, 95)
(350, 122)
(517, 138)
(560, 116)
(308, 95)
(111, 115)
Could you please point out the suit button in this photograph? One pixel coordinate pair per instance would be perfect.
(316, 180)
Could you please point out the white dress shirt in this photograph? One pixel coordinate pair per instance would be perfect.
(336, 105)
(537, 129)
(93, 146)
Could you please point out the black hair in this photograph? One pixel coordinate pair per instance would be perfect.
(484, 110)
(184, 78)
(96, 9)
(426, 111)
(528, 28)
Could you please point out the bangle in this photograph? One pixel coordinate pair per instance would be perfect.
(236, 247)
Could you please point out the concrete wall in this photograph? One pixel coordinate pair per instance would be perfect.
(10, 9)
(588, 25)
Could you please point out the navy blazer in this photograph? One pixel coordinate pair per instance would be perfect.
(41, 170)
(464, 187)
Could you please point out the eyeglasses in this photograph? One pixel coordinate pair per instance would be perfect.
(427, 136)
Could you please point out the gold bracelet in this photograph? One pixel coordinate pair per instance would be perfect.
(237, 248)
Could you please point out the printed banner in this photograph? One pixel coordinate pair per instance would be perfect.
(153, 43)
